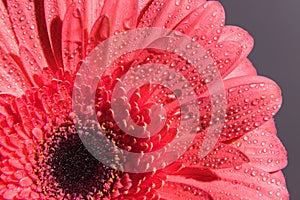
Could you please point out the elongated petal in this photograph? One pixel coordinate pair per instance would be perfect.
(7, 35)
(222, 156)
(263, 148)
(179, 191)
(72, 39)
(252, 101)
(55, 11)
(242, 182)
(23, 17)
(14, 80)
(5, 101)
(167, 14)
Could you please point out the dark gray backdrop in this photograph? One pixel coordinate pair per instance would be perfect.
(275, 26)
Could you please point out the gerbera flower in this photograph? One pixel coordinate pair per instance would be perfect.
(43, 44)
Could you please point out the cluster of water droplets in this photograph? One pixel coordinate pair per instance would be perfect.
(260, 103)
(12, 78)
(23, 22)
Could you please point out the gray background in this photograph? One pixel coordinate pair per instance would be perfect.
(275, 26)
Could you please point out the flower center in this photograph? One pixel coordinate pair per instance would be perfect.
(66, 168)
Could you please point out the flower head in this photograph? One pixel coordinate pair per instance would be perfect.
(44, 45)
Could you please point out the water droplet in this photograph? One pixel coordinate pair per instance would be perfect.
(22, 18)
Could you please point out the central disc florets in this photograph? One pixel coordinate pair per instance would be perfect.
(66, 168)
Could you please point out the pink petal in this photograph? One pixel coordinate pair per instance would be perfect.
(122, 15)
(167, 14)
(241, 182)
(38, 134)
(199, 174)
(222, 156)
(23, 17)
(72, 39)
(263, 148)
(13, 80)
(180, 191)
(25, 182)
(251, 101)
(7, 35)
(44, 38)
(245, 68)
(55, 11)
(24, 194)
(5, 101)
(10, 194)
(4, 141)
(205, 23)
(242, 37)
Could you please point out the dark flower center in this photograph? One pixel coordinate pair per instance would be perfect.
(69, 171)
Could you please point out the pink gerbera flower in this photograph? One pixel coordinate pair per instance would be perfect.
(44, 43)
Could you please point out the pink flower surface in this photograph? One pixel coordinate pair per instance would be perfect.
(42, 46)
